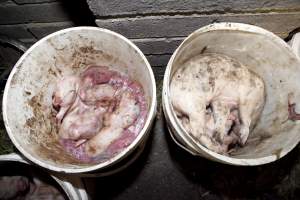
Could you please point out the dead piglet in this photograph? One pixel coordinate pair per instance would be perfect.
(12, 187)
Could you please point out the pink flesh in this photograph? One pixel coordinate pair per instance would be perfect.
(13, 186)
(97, 93)
(77, 152)
(92, 80)
(97, 75)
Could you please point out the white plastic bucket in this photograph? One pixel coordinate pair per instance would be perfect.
(295, 44)
(273, 60)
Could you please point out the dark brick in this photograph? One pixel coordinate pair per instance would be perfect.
(48, 12)
(42, 29)
(181, 26)
(133, 7)
(158, 45)
(33, 1)
(16, 31)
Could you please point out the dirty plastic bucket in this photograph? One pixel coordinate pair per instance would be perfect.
(27, 96)
(118, 167)
(268, 56)
(73, 187)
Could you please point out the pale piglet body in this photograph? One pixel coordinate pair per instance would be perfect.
(115, 123)
(104, 116)
(83, 122)
(13, 186)
(228, 89)
(65, 95)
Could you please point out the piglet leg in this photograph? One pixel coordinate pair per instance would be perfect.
(115, 123)
(221, 112)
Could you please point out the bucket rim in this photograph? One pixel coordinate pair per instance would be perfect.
(202, 150)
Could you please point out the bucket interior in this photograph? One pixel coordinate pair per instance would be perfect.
(268, 56)
(28, 94)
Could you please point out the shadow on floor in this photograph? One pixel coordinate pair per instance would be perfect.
(277, 180)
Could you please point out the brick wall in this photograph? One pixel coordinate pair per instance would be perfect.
(30, 20)
(156, 26)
